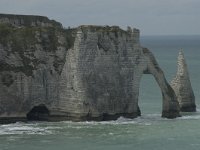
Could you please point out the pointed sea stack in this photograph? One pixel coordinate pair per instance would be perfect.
(182, 86)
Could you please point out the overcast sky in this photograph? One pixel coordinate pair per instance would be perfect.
(152, 17)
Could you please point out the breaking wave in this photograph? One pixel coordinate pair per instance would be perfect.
(25, 128)
(190, 116)
(46, 128)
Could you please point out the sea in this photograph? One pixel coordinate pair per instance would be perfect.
(148, 132)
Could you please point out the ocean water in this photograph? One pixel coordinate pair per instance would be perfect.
(149, 131)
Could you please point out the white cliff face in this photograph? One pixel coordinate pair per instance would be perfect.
(108, 64)
(88, 73)
(182, 86)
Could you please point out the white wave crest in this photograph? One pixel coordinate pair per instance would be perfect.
(23, 128)
(190, 117)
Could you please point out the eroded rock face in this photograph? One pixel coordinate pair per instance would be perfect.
(182, 86)
(86, 73)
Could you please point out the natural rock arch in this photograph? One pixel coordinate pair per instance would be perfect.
(85, 73)
(170, 106)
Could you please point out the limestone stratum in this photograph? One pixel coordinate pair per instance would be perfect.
(51, 73)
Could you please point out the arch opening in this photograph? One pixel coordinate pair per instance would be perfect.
(38, 113)
(150, 96)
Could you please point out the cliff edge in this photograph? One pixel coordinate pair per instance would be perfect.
(85, 73)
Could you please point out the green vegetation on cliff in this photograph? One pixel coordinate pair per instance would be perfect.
(23, 35)
(28, 20)
(24, 41)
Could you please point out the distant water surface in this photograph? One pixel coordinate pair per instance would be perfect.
(149, 131)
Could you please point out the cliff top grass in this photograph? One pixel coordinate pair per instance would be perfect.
(26, 20)
(96, 28)
(116, 30)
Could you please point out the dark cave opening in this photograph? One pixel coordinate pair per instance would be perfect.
(38, 113)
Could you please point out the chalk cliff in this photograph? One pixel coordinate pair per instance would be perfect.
(86, 73)
(182, 86)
